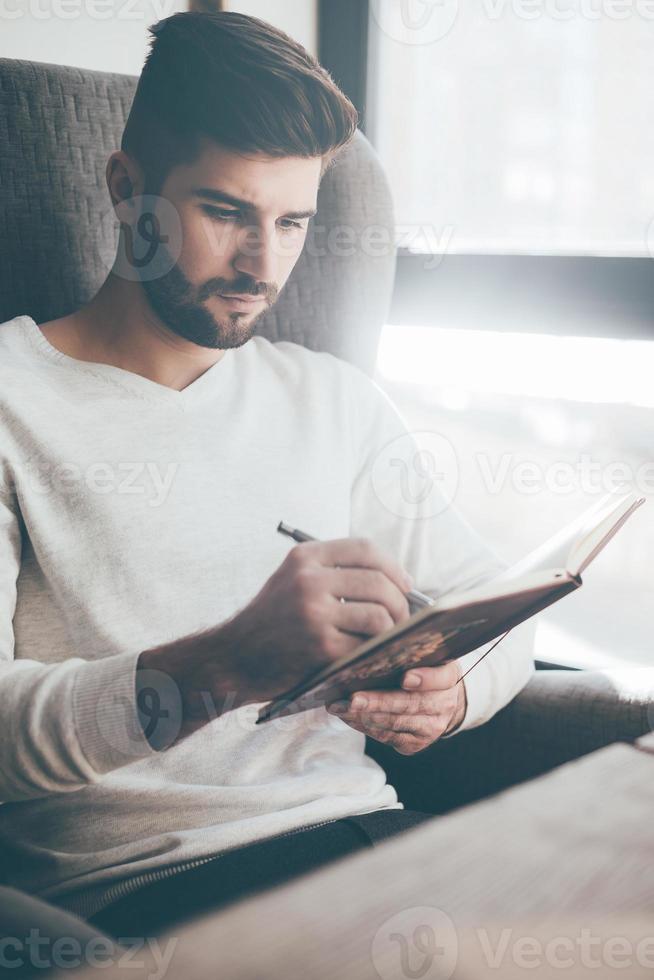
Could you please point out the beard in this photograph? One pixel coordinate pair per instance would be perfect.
(181, 306)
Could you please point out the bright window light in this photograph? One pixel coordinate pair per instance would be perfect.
(554, 403)
(583, 369)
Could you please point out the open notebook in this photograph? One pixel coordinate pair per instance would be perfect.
(462, 621)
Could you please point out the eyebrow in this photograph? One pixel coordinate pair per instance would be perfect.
(215, 194)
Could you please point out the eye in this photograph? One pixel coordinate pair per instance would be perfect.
(221, 214)
(288, 224)
(232, 214)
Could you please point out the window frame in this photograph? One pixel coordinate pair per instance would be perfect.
(343, 48)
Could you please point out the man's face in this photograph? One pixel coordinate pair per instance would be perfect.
(244, 221)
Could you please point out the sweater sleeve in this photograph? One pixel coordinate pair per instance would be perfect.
(403, 499)
(63, 724)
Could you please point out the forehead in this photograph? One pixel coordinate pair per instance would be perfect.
(270, 183)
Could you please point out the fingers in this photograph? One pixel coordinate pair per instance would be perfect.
(399, 721)
(362, 553)
(398, 702)
(353, 568)
(362, 617)
(406, 734)
(422, 726)
(409, 721)
(370, 586)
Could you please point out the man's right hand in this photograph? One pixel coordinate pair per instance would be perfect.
(294, 626)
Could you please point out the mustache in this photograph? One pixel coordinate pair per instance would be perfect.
(242, 286)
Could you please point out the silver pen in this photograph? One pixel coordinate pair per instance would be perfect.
(418, 599)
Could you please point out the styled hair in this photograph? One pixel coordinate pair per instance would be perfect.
(235, 80)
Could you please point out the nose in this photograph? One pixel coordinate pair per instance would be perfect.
(257, 256)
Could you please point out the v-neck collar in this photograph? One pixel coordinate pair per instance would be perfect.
(202, 387)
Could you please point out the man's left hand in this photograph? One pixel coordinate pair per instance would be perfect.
(430, 704)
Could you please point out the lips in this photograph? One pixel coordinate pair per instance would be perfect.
(242, 299)
(242, 304)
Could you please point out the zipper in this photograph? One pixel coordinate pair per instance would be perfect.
(124, 888)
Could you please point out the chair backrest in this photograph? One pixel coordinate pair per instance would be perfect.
(58, 126)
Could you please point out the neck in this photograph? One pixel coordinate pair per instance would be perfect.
(119, 327)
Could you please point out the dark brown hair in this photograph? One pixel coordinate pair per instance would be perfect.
(238, 81)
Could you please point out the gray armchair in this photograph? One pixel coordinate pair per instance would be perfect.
(57, 128)
(561, 715)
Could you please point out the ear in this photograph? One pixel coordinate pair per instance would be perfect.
(124, 179)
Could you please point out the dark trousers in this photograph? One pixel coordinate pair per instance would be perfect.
(157, 907)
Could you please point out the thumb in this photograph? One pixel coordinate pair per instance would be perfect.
(439, 678)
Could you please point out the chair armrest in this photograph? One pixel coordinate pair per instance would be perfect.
(63, 939)
(559, 716)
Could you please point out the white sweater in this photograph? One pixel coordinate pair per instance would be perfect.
(131, 515)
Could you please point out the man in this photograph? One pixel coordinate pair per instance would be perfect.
(150, 443)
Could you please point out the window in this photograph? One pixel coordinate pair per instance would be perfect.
(519, 144)
(516, 127)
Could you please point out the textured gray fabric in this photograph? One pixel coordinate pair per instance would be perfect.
(559, 716)
(58, 236)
